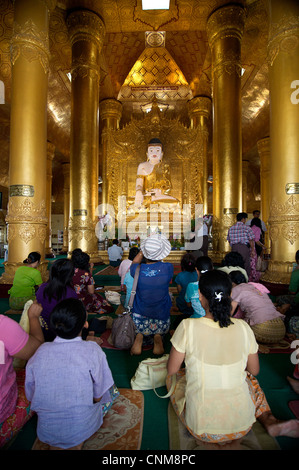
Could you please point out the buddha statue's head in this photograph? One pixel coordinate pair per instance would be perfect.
(154, 151)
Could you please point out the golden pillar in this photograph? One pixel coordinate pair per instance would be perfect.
(199, 110)
(26, 215)
(66, 206)
(245, 164)
(50, 157)
(263, 147)
(225, 30)
(87, 32)
(283, 53)
(110, 114)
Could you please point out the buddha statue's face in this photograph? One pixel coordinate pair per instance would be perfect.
(154, 154)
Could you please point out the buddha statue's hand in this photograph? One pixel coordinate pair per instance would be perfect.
(138, 198)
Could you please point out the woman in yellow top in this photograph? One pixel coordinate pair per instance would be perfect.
(26, 278)
(217, 396)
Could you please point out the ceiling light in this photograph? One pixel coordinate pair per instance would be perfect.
(155, 4)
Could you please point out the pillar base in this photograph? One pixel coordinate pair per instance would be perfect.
(278, 272)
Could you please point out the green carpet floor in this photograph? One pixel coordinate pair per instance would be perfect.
(272, 377)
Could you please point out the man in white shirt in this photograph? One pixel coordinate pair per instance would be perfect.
(115, 253)
(257, 214)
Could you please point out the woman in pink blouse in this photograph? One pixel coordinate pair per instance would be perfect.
(16, 343)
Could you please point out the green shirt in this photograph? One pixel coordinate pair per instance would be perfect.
(294, 284)
(26, 278)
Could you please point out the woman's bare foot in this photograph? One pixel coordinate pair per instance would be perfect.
(158, 345)
(136, 349)
(294, 384)
(92, 337)
(275, 427)
(285, 428)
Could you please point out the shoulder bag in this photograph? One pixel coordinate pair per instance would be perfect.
(151, 374)
(123, 329)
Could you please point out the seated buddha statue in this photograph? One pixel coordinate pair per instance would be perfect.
(153, 183)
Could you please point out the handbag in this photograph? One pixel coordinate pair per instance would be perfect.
(123, 329)
(261, 264)
(24, 323)
(113, 297)
(151, 374)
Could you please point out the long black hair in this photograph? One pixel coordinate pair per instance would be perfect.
(216, 287)
(61, 277)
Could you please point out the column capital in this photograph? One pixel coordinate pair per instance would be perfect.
(226, 21)
(284, 30)
(85, 25)
(201, 105)
(110, 108)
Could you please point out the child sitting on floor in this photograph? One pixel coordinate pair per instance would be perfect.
(187, 275)
(203, 264)
(69, 382)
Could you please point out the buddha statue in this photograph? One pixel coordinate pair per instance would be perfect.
(153, 183)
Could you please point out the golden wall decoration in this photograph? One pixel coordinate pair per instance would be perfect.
(31, 43)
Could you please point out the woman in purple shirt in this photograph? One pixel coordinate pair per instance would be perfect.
(58, 287)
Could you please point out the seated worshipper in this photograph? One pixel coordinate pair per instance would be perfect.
(202, 265)
(115, 253)
(125, 265)
(14, 407)
(188, 274)
(285, 302)
(68, 381)
(83, 284)
(241, 239)
(152, 303)
(257, 308)
(217, 396)
(233, 261)
(27, 278)
(58, 287)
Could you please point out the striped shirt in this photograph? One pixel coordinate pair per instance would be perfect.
(240, 233)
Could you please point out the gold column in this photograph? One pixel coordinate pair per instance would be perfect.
(110, 114)
(199, 110)
(225, 30)
(245, 164)
(283, 53)
(66, 206)
(87, 32)
(263, 146)
(26, 216)
(50, 157)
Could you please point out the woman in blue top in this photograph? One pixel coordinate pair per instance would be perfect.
(152, 303)
(202, 265)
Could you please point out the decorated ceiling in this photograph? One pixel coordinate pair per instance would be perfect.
(161, 53)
